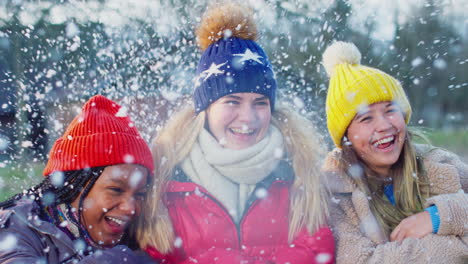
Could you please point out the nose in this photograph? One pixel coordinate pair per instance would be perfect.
(247, 113)
(129, 206)
(383, 123)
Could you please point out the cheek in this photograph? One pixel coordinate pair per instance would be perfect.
(398, 122)
(356, 133)
(218, 118)
(264, 117)
(98, 206)
(401, 125)
(359, 139)
(360, 143)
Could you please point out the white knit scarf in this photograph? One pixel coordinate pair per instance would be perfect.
(231, 175)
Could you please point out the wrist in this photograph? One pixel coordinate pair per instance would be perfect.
(435, 218)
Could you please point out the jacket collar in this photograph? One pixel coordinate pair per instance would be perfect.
(283, 173)
(336, 180)
(339, 182)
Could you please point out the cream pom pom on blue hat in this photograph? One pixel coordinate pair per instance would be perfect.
(232, 61)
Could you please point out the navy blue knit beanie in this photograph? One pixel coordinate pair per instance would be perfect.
(232, 61)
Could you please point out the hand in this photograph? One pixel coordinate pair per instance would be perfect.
(417, 226)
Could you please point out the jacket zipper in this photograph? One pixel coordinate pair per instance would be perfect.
(238, 226)
(245, 213)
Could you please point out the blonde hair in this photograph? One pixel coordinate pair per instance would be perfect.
(308, 197)
(409, 181)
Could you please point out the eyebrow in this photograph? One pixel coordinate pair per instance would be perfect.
(124, 183)
(360, 114)
(240, 98)
(234, 97)
(118, 180)
(261, 98)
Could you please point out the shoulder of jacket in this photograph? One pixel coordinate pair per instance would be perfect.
(4, 217)
(432, 154)
(331, 160)
(336, 180)
(443, 168)
(22, 209)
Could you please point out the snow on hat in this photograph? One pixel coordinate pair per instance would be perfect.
(354, 86)
(101, 135)
(232, 62)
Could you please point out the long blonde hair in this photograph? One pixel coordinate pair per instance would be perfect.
(409, 181)
(308, 197)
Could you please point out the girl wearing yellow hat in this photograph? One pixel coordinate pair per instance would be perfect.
(394, 201)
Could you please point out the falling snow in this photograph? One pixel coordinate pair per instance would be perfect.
(143, 54)
(57, 179)
(355, 171)
(178, 242)
(136, 178)
(8, 242)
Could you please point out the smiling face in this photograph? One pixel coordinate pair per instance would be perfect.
(113, 202)
(239, 120)
(377, 135)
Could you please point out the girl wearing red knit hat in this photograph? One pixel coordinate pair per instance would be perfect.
(96, 180)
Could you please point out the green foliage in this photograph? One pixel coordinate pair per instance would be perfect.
(428, 59)
(453, 140)
(14, 180)
(143, 58)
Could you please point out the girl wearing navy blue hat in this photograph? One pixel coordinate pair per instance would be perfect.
(238, 180)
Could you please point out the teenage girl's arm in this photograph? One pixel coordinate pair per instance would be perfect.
(354, 247)
(448, 206)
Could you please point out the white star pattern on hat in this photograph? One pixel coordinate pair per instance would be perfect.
(249, 55)
(214, 69)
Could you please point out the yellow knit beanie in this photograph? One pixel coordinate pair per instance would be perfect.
(353, 87)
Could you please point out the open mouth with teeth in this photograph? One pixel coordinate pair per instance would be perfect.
(242, 131)
(116, 225)
(384, 143)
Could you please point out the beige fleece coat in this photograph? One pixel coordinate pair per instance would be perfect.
(359, 238)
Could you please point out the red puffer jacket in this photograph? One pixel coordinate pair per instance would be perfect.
(206, 233)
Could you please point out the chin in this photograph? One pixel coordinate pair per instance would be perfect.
(388, 161)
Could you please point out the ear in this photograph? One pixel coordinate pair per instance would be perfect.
(346, 141)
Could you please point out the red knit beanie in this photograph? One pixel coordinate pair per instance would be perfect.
(101, 135)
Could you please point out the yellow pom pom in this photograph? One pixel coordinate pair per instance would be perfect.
(226, 20)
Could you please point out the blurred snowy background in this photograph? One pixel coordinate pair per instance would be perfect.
(55, 54)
